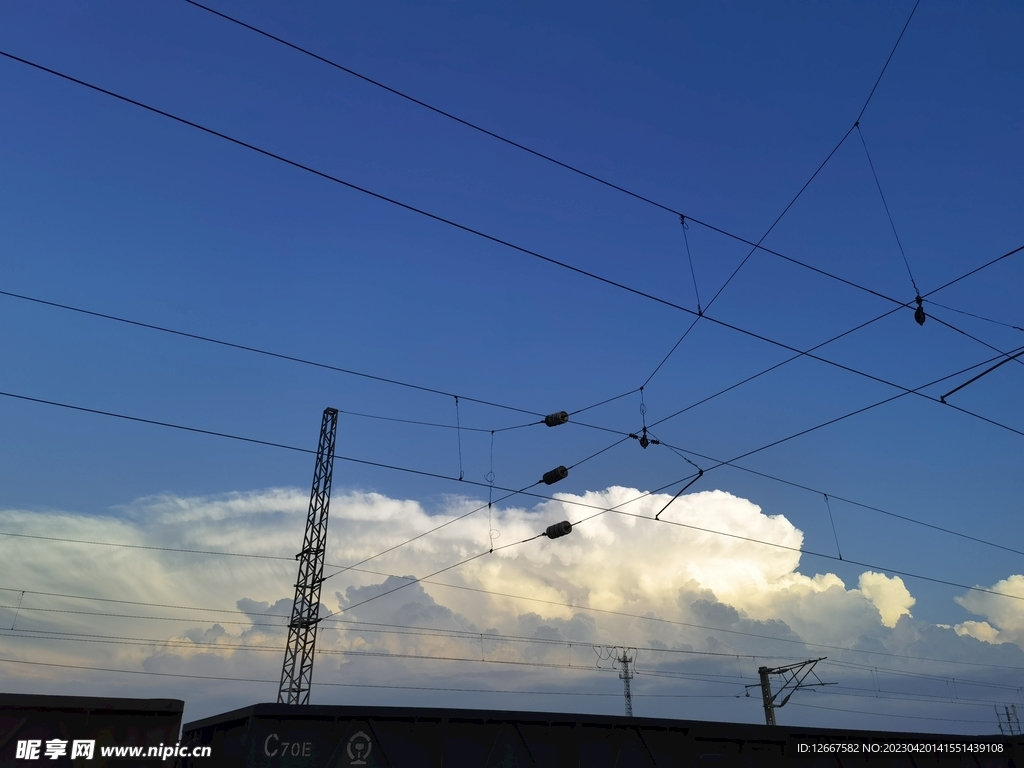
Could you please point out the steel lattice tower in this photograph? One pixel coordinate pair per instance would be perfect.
(625, 676)
(297, 672)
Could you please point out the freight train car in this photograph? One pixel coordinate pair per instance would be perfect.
(79, 730)
(287, 736)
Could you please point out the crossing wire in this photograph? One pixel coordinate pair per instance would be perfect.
(257, 350)
(757, 245)
(978, 317)
(525, 491)
(644, 617)
(541, 155)
(408, 207)
(358, 685)
(885, 205)
(922, 698)
(454, 224)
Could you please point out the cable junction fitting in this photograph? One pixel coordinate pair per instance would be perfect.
(556, 419)
(919, 314)
(558, 530)
(556, 474)
(644, 440)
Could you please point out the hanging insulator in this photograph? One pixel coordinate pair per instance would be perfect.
(919, 314)
(563, 528)
(556, 474)
(556, 419)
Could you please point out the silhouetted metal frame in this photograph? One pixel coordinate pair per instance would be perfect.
(297, 671)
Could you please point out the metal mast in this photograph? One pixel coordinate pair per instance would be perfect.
(297, 672)
(1009, 723)
(793, 675)
(625, 676)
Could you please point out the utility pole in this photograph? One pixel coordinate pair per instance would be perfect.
(1009, 723)
(793, 676)
(625, 676)
(297, 671)
(625, 658)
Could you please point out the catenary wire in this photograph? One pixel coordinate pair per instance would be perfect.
(776, 365)
(358, 685)
(420, 472)
(424, 423)
(536, 153)
(923, 675)
(1014, 356)
(313, 363)
(361, 626)
(411, 208)
(660, 421)
(885, 205)
(887, 715)
(470, 512)
(978, 317)
(757, 245)
(974, 271)
(414, 386)
(526, 598)
(886, 65)
(388, 629)
(822, 555)
(414, 209)
(923, 698)
(835, 497)
(257, 350)
(469, 635)
(972, 337)
(444, 477)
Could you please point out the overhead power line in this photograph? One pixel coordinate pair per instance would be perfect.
(859, 692)
(295, 359)
(541, 155)
(885, 205)
(420, 211)
(359, 685)
(922, 698)
(572, 168)
(757, 245)
(876, 713)
(974, 271)
(365, 627)
(449, 222)
(972, 337)
(526, 492)
(834, 497)
(976, 316)
(466, 634)
(525, 598)
(259, 351)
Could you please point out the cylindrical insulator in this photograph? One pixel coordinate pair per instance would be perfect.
(554, 419)
(556, 474)
(558, 529)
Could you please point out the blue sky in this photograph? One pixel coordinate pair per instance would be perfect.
(720, 111)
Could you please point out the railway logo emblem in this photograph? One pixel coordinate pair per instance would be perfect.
(359, 748)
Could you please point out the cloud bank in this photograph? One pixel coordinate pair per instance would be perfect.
(703, 602)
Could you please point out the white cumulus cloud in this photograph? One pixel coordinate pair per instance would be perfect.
(889, 595)
(700, 583)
